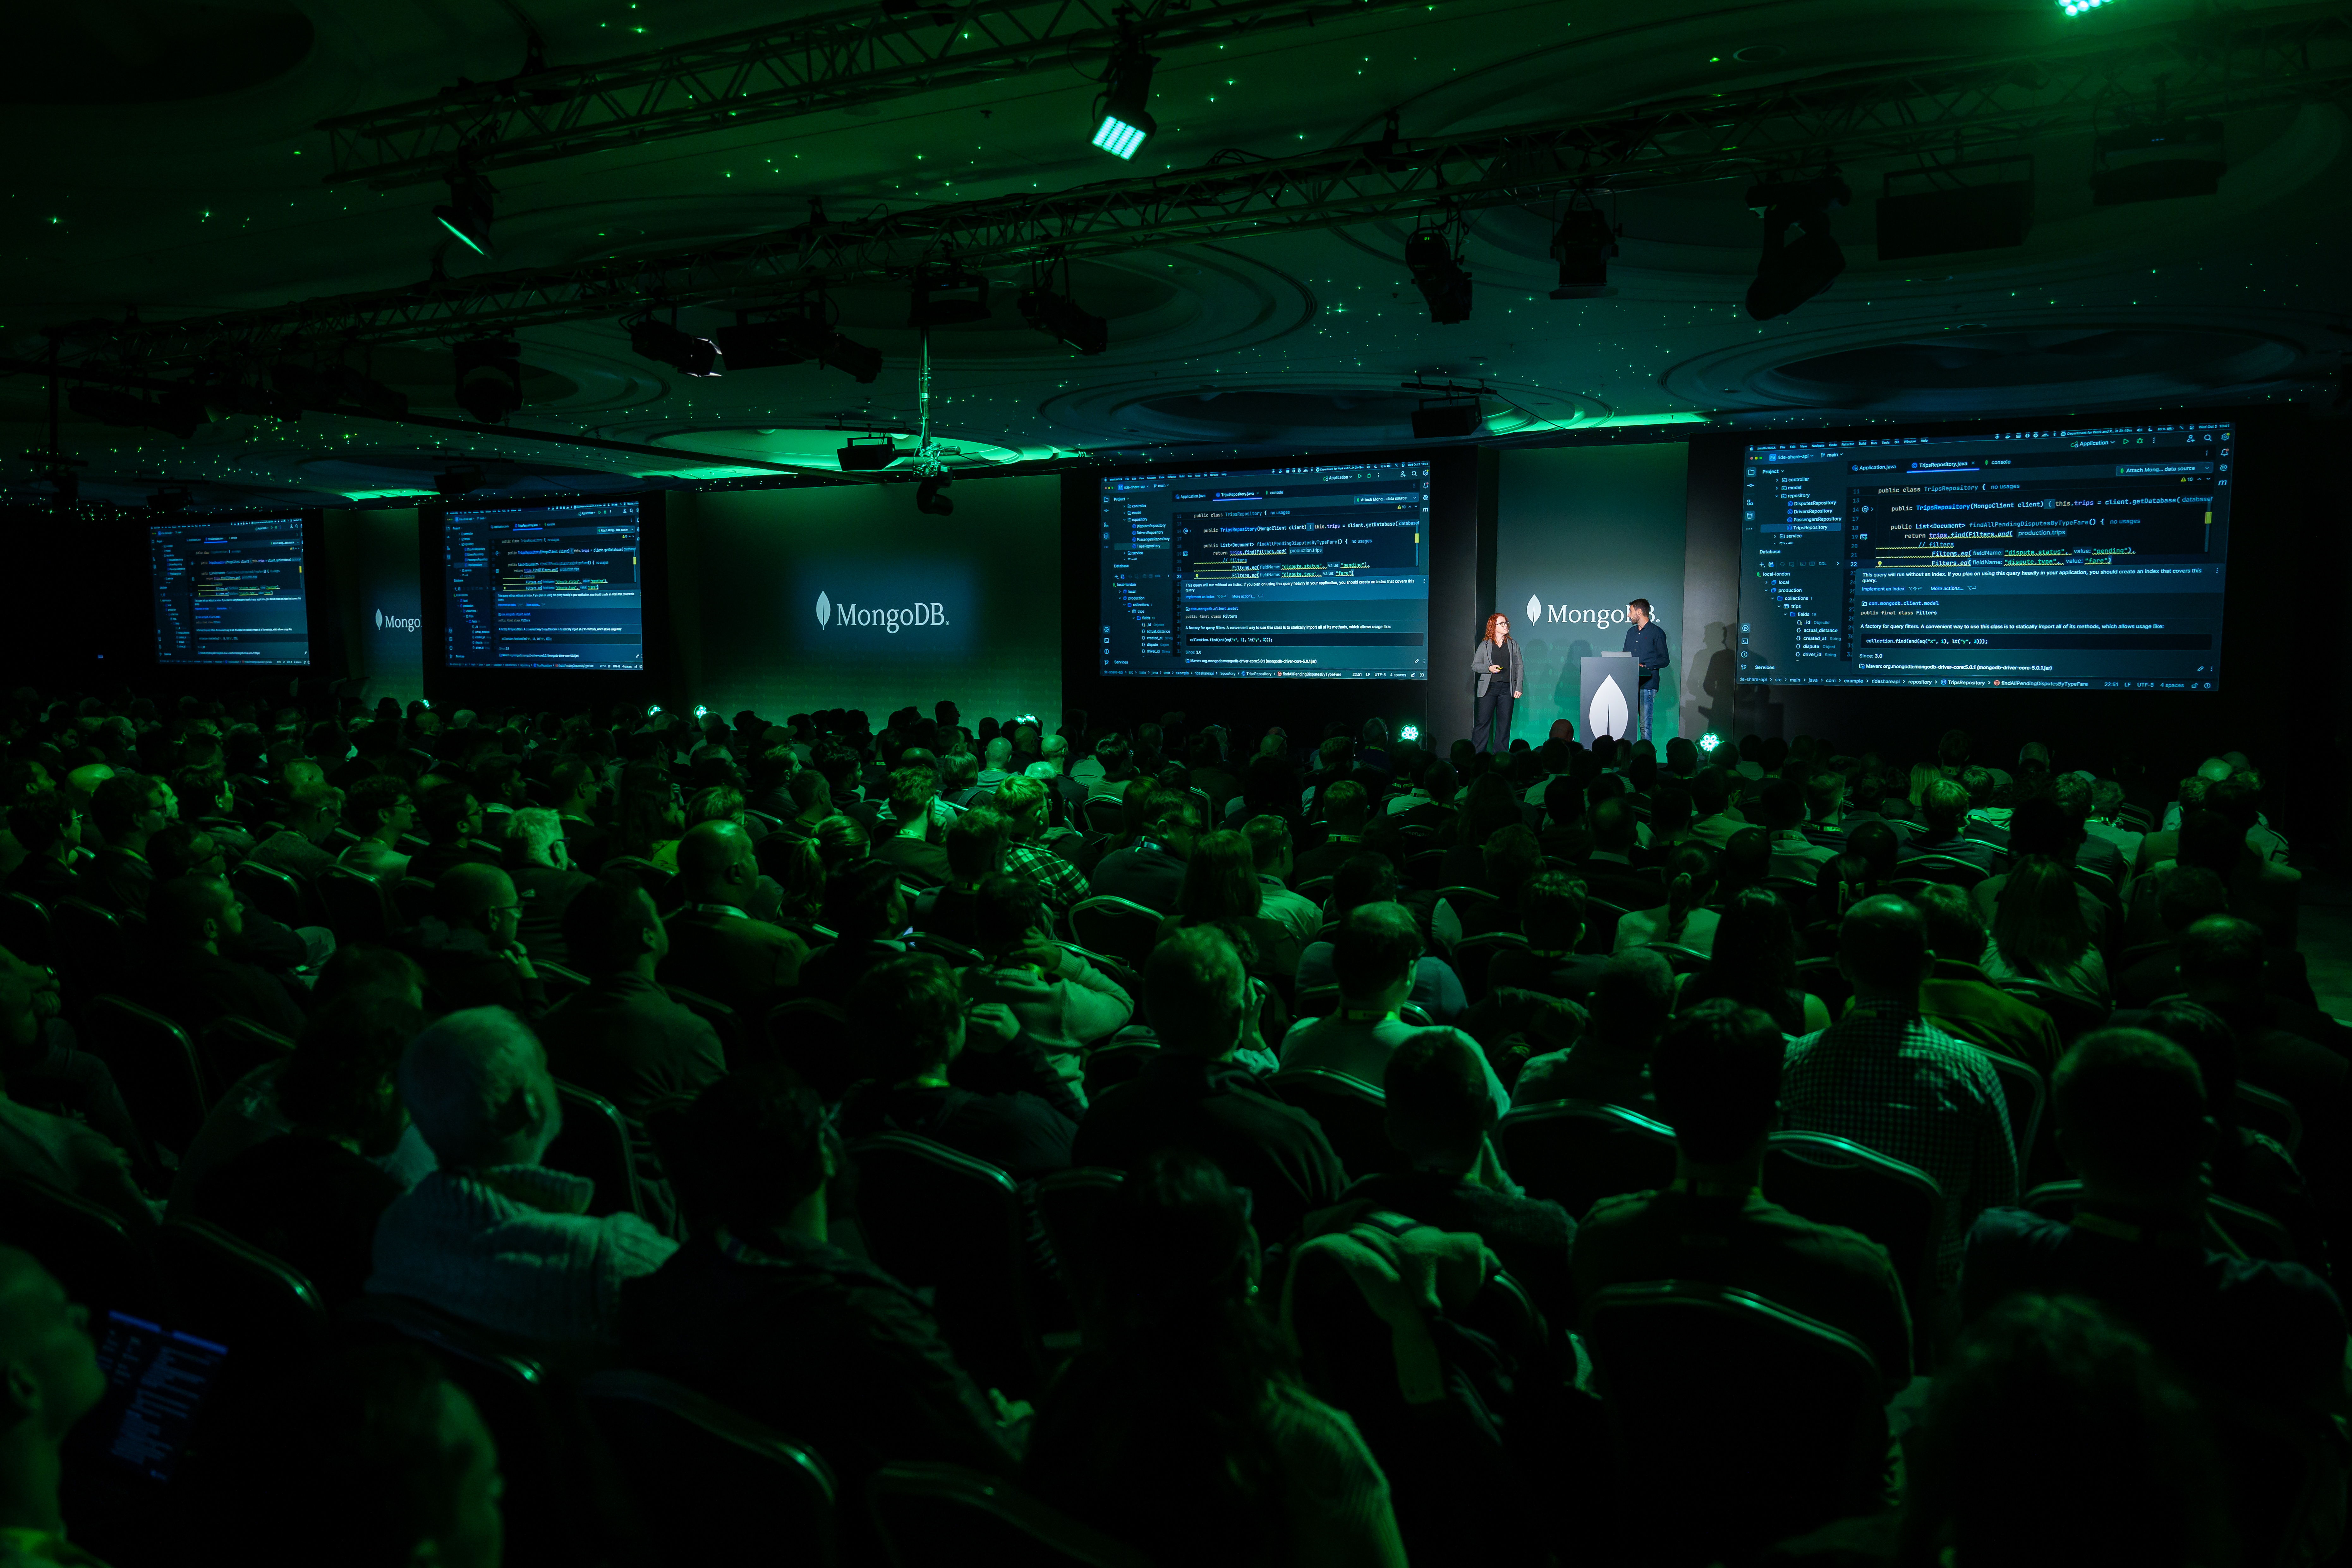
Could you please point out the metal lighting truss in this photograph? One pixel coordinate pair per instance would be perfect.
(863, 55)
(2228, 64)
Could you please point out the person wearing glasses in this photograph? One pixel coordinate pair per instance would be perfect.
(471, 945)
(48, 829)
(381, 812)
(1500, 673)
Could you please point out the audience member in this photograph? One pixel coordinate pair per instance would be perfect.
(471, 945)
(1685, 920)
(1026, 805)
(1956, 997)
(52, 1150)
(538, 861)
(380, 809)
(127, 812)
(916, 844)
(198, 966)
(493, 1236)
(1610, 1063)
(1063, 1005)
(1551, 915)
(1150, 871)
(300, 848)
(453, 822)
(47, 828)
(53, 1379)
(718, 949)
(1299, 917)
(1373, 960)
(1754, 964)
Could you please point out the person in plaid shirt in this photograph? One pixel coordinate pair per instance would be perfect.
(1888, 1079)
(1023, 802)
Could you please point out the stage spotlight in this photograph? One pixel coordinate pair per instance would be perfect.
(1709, 741)
(2077, 7)
(1437, 272)
(177, 412)
(956, 300)
(664, 344)
(489, 378)
(1126, 122)
(1790, 272)
(468, 210)
(1436, 421)
(1408, 732)
(868, 453)
(928, 498)
(460, 481)
(1582, 246)
(1059, 317)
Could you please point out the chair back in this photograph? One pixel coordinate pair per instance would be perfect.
(1834, 1181)
(1317, 888)
(933, 1514)
(1949, 870)
(2022, 1086)
(2257, 1234)
(98, 950)
(154, 1065)
(1120, 927)
(26, 931)
(708, 1479)
(1680, 959)
(546, 1525)
(593, 1141)
(560, 983)
(2074, 1015)
(411, 900)
(1115, 1061)
(358, 907)
(1474, 956)
(1577, 1151)
(813, 1039)
(2272, 1115)
(274, 892)
(231, 1047)
(1069, 1203)
(938, 1220)
(956, 955)
(1352, 1114)
(86, 1245)
(1822, 977)
(1424, 868)
(1105, 813)
(735, 1039)
(1736, 1422)
(227, 1291)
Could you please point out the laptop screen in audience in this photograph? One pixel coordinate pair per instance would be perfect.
(157, 1380)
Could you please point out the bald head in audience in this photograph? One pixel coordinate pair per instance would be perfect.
(720, 864)
(478, 1089)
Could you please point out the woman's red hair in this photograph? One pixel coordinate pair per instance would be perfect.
(1487, 631)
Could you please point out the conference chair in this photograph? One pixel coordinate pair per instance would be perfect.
(1680, 959)
(593, 1141)
(560, 983)
(2272, 1115)
(707, 1478)
(1352, 1114)
(930, 1515)
(1069, 1203)
(275, 893)
(1118, 926)
(1119, 970)
(2074, 1015)
(1834, 1181)
(1319, 889)
(955, 953)
(154, 1065)
(226, 1290)
(1600, 918)
(1424, 868)
(25, 930)
(1577, 1151)
(2257, 1234)
(97, 949)
(1948, 869)
(937, 1220)
(358, 906)
(735, 1038)
(231, 1047)
(2026, 1093)
(557, 1513)
(1822, 977)
(411, 900)
(1736, 1423)
(1117, 1060)
(1474, 956)
(813, 1039)
(1105, 814)
(88, 1247)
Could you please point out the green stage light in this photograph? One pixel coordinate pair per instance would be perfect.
(1408, 732)
(1126, 122)
(1709, 741)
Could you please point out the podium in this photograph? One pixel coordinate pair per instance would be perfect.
(1605, 697)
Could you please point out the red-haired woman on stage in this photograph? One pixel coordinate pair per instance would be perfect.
(1496, 662)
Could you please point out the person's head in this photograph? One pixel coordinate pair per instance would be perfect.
(478, 1089)
(1755, 952)
(2238, 798)
(2210, 1043)
(45, 824)
(2211, 842)
(535, 837)
(862, 903)
(471, 896)
(756, 1155)
(1177, 824)
(2130, 1109)
(1440, 780)
(1633, 999)
(1825, 797)
(1195, 991)
(1745, 861)
(1366, 877)
(127, 809)
(1512, 855)
(1439, 1109)
(2190, 894)
(2038, 827)
(2053, 1386)
(1374, 955)
(342, 1080)
(1269, 842)
(196, 912)
(2221, 963)
(315, 811)
(2038, 922)
(611, 927)
(1024, 803)
(841, 842)
(1955, 931)
(1221, 878)
(380, 808)
(912, 1012)
(1945, 807)
(1347, 807)
(49, 1376)
(812, 796)
(450, 812)
(1710, 793)
(1638, 612)
(1717, 1075)
(1551, 911)
(1614, 826)
(1563, 800)
(1499, 627)
(1008, 913)
(1882, 949)
(1783, 806)
(720, 864)
(976, 843)
(370, 967)
(912, 790)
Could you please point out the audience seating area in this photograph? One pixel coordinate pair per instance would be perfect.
(1589, 1153)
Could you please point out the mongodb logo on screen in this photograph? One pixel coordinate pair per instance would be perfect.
(886, 618)
(1538, 614)
(384, 623)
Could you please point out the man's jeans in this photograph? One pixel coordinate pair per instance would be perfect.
(1645, 697)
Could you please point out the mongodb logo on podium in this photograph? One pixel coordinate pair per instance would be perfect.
(1609, 712)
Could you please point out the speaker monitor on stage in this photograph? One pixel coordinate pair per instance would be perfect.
(1604, 698)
